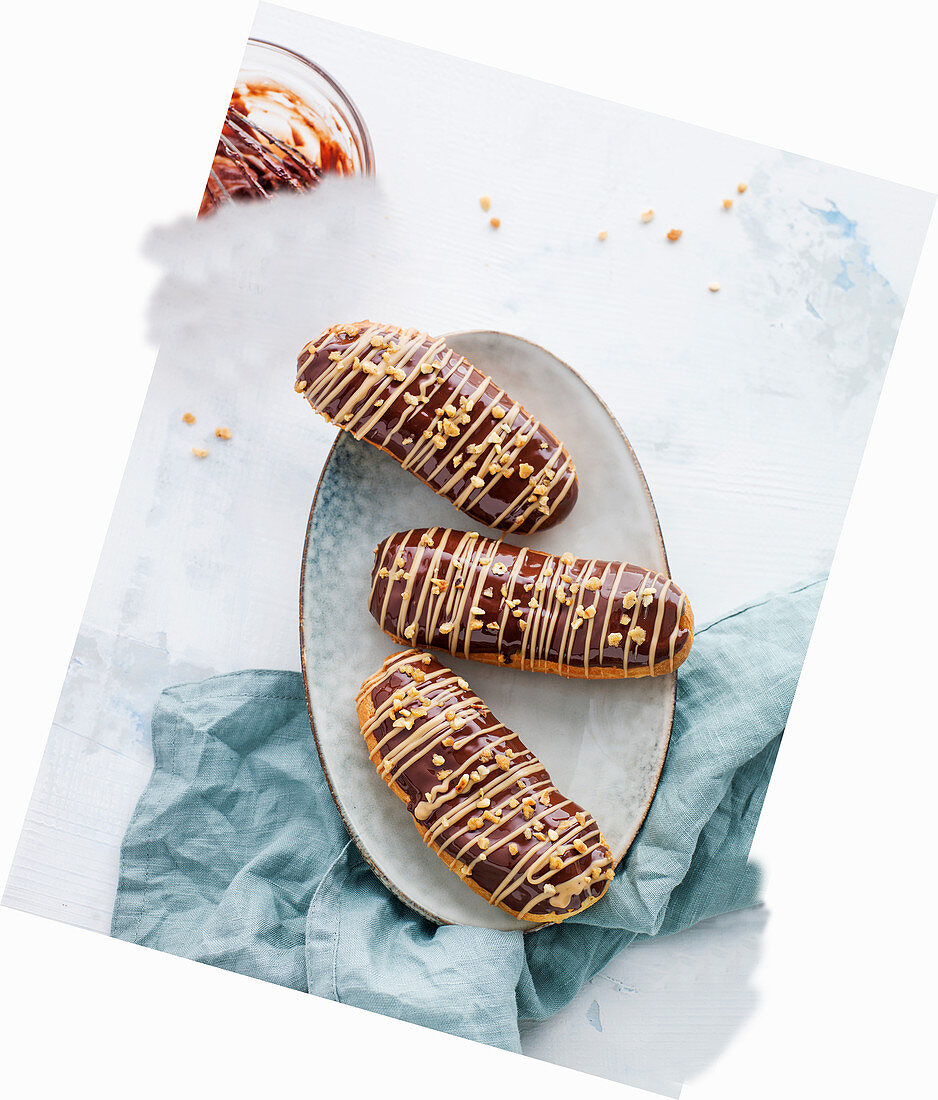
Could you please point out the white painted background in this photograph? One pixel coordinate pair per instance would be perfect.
(74, 499)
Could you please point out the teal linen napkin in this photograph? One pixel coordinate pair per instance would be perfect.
(236, 855)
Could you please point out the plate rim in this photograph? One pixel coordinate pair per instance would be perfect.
(526, 927)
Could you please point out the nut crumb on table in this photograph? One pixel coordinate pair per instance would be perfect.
(200, 452)
(713, 286)
(223, 433)
(741, 187)
(495, 222)
(727, 203)
(188, 418)
(647, 216)
(485, 202)
(674, 234)
(602, 235)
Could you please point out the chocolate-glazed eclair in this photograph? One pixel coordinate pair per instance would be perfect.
(491, 601)
(479, 798)
(444, 421)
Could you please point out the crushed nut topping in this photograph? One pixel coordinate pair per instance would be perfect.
(637, 634)
(614, 639)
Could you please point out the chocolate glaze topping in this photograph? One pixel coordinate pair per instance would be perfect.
(483, 598)
(484, 799)
(443, 420)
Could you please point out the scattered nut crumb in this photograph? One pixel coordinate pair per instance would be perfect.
(602, 235)
(188, 418)
(495, 222)
(485, 202)
(223, 433)
(714, 287)
(727, 203)
(674, 234)
(741, 187)
(300, 385)
(200, 452)
(647, 216)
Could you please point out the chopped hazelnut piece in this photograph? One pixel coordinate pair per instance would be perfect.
(602, 235)
(615, 639)
(674, 234)
(525, 470)
(637, 634)
(713, 287)
(631, 598)
(299, 386)
(200, 452)
(495, 222)
(188, 418)
(438, 761)
(462, 683)
(727, 203)
(513, 849)
(556, 863)
(741, 187)
(647, 216)
(485, 202)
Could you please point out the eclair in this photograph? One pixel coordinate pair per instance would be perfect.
(443, 420)
(490, 601)
(479, 798)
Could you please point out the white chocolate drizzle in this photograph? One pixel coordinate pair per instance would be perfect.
(455, 590)
(403, 373)
(497, 799)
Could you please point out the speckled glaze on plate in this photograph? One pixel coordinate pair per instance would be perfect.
(603, 742)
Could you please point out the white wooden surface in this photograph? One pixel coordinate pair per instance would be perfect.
(748, 409)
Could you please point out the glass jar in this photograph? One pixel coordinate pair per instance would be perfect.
(287, 124)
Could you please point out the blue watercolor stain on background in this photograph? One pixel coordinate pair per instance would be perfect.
(858, 258)
(843, 280)
(592, 1014)
(837, 218)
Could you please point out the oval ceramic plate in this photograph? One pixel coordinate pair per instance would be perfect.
(604, 742)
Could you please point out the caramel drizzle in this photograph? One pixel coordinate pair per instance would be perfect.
(564, 603)
(391, 362)
(475, 793)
